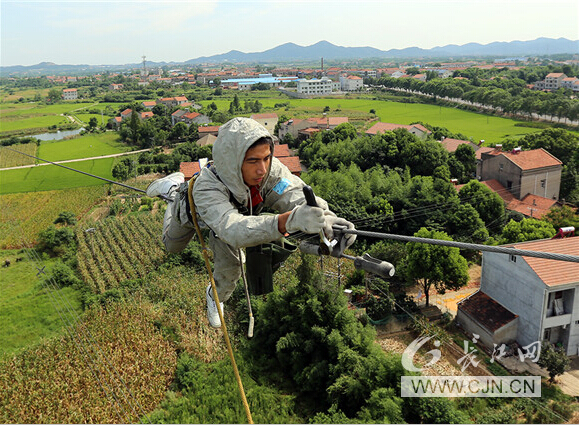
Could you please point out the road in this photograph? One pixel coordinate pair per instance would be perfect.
(76, 160)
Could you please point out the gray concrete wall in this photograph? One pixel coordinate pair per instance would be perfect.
(516, 286)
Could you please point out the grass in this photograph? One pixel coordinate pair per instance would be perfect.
(29, 312)
(24, 215)
(51, 177)
(86, 146)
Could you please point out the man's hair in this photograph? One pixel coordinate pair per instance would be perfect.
(261, 141)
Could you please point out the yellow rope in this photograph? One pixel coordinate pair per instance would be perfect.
(216, 299)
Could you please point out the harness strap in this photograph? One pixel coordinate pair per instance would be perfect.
(216, 298)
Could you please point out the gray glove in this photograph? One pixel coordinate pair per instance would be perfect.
(331, 219)
(304, 218)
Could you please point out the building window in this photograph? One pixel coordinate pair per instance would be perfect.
(547, 334)
(513, 258)
(543, 183)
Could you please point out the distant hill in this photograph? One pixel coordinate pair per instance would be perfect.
(291, 52)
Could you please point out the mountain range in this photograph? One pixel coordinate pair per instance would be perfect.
(291, 52)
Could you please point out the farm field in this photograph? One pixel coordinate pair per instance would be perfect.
(9, 158)
(51, 177)
(87, 146)
(23, 215)
(30, 312)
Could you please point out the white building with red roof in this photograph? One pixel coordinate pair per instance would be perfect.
(543, 293)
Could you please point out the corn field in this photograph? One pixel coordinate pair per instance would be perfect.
(117, 249)
(9, 158)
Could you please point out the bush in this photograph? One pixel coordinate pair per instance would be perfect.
(307, 334)
(62, 275)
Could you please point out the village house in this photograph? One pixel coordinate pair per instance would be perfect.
(351, 83)
(115, 87)
(269, 121)
(298, 128)
(381, 127)
(187, 117)
(522, 172)
(69, 94)
(527, 299)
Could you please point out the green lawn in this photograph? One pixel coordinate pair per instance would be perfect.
(86, 146)
(52, 177)
(478, 126)
(29, 312)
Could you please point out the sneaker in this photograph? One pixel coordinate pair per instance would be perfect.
(212, 313)
(164, 185)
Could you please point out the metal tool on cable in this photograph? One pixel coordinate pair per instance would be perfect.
(336, 247)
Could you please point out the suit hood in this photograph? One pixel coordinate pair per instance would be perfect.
(233, 140)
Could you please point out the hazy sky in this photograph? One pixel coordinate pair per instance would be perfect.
(119, 32)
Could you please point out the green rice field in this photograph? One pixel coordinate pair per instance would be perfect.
(52, 177)
(86, 146)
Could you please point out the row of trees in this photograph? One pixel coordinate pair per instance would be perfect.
(505, 96)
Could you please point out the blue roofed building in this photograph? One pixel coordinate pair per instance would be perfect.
(246, 83)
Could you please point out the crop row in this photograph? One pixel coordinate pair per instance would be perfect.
(119, 249)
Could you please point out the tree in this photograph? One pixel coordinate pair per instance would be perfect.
(436, 265)
(306, 335)
(488, 204)
(92, 124)
(553, 359)
(54, 95)
(66, 217)
(527, 229)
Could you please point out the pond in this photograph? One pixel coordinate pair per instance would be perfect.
(58, 135)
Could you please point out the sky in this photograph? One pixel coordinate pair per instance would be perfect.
(121, 32)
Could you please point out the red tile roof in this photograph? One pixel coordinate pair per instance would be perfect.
(452, 144)
(530, 160)
(532, 205)
(263, 116)
(192, 115)
(189, 169)
(209, 129)
(486, 311)
(553, 272)
(293, 163)
(481, 150)
(281, 151)
(385, 126)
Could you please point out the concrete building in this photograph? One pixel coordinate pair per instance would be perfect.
(522, 172)
(69, 94)
(543, 293)
(317, 87)
(269, 121)
(351, 83)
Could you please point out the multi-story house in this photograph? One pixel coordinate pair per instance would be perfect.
(314, 86)
(527, 299)
(522, 172)
(70, 94)
(351, 83)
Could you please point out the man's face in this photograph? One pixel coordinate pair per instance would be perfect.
(256, 164)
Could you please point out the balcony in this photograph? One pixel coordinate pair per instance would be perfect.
(553, 321)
